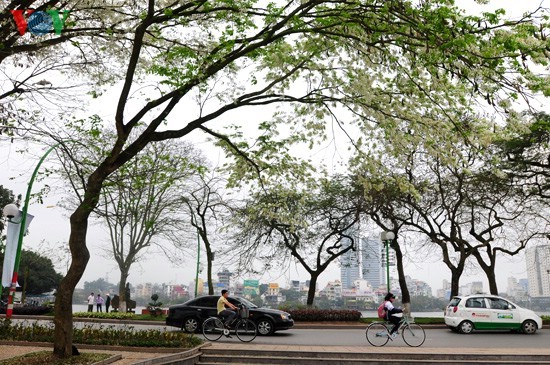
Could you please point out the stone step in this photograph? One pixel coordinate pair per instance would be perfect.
(272, 357)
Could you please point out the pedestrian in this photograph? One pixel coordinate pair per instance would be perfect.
(91, 302)
(107, 303)
(99, 302)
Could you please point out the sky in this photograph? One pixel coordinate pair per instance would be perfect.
(50, 227)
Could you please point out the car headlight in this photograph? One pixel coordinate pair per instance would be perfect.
(285, 316)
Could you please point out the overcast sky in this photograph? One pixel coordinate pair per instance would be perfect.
(51, 222)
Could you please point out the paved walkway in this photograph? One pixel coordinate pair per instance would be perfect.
(128, 357)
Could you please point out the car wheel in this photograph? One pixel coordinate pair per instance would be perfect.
(466, 327)
(265, 327)
(190, 325)
(529, 327)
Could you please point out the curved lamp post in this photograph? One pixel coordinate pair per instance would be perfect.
(10, 211)
(387, 237)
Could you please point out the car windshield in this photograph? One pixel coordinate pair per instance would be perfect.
(247, 303)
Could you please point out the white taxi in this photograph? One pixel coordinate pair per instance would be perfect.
(489, 312)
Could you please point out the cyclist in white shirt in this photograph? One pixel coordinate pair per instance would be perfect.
(391, 312)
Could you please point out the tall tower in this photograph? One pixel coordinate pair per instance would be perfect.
(349, 264)
(538, 270)
(224, 279)
(372, 261)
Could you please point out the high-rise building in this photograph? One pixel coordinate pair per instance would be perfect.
(371, 265)
(224, 279)
(538, 270)
(349, 265)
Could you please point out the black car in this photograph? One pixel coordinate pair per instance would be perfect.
(190, 315)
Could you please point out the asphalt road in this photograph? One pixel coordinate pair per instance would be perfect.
(442, 338)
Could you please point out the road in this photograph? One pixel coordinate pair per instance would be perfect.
(437, 338)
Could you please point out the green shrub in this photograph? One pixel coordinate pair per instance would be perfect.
(34, 310)
(323, 315)
(104, 335)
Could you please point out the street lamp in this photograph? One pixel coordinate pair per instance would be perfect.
(10, 213)
(387, 237)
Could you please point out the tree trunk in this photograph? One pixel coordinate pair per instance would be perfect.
(311, 290)
(405, 295)
(122, 291)
(489, 270)
(63, 320)
(455, 278)
(80, 255)
(209, 270)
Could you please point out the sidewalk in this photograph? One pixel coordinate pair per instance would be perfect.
(128, 355)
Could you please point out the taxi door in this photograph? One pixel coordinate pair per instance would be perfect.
(478, 312)
(504, 315)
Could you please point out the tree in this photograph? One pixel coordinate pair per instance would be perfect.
(80, 53)
(98, 286)
(141, 202)
(38, 275)
(206, 209)
(314, 226)
(205, 45)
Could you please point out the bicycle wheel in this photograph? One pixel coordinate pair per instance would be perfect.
(377, 334)
(413, 335)
(245, 330)
(212, 329)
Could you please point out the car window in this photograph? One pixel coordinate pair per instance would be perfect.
(475, 303)
(497, 303)
(248, 303)
(454, 302)
(205, 302)
(233, 301)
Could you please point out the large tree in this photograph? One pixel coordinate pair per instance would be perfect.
(46, 71)
(372, 57)
(141, 202)
(38, 275)
(207, 210)
(313, 226)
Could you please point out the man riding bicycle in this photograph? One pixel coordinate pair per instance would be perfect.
(226, 315)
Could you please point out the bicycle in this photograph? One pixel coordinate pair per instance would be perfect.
(378, 333)
(213, 328)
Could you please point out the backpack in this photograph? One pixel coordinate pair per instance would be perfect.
(382, 310)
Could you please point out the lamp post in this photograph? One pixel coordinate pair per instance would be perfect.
(10, 211)
(387, 237)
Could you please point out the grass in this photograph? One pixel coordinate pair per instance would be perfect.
(48, 358)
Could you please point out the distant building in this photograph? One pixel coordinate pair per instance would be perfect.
(349, 264)
(371, 265)
(224, 279)
(332, 291)
(273, 296)
(517, 289)
(417, 287)
(538, 270)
